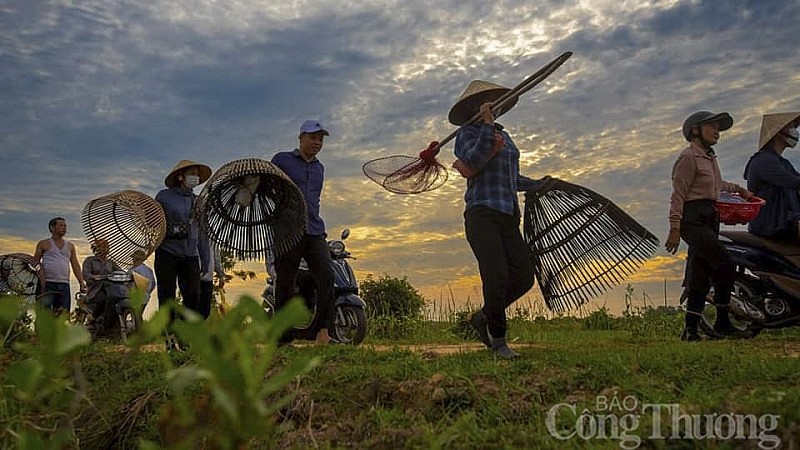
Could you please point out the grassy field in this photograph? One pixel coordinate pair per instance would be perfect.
(596, 382)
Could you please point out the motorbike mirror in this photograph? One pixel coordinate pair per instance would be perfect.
(345, 233)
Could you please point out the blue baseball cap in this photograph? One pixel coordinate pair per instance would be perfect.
(313, 126)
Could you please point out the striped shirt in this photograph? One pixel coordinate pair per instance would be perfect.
(498, 180)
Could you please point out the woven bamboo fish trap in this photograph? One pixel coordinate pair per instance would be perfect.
(250, 207)
(133, 224)
(18, 275)
(581, 243)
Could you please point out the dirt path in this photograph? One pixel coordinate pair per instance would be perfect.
(442, 349)
(428, 350)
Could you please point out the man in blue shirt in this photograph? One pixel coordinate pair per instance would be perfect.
(489, 160)
(308, 173)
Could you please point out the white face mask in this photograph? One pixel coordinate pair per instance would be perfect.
(791, 136)
(192, 180)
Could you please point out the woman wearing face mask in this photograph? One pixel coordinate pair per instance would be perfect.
(772, 177)
(177, 260)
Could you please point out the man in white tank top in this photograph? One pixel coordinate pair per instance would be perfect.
(57, 255)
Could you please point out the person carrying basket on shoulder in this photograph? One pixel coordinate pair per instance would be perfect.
(693, 217)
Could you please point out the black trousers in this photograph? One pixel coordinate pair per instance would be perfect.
(314, 249)
(708, 261)
(172, 271)
(104, 310)
(505, 267)
(206, 298)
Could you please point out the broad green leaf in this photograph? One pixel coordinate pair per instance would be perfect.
(182, 377)
(32, 441)
(286, 318)
(26, 375)
(72, 338)
(47, 327)
(295, 368)
(227, 404)
(10, 308)
(154, 328)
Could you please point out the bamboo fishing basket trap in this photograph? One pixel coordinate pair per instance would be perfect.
(19, 275)
(133, 224)
(581, 243)
(250, 207)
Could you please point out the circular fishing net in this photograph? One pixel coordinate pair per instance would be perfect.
(249, 207)
(133, 224)
(581, 243)
(18, 275)
(403, 174)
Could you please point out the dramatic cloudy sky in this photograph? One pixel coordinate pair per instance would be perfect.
(99, 96)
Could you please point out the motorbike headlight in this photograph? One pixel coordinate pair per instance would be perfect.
(336, 247)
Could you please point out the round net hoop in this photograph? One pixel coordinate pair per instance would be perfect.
(403, 174)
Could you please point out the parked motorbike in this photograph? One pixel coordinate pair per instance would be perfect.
(117, 287)
(350, 321)
(766, 292)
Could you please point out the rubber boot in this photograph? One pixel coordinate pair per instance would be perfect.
(478, 321)
(689, 333)
(501, 349)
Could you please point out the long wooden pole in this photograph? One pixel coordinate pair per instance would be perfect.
(510, 96)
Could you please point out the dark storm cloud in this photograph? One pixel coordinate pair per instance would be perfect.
(108, 95)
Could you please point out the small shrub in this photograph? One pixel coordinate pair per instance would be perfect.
(461, 327)
(233, 369)
(16, 323)
(391, 297)
(224, 393)
(600, 320)
(394, 307)
(42, 387)
(392, 327)
(659, 321)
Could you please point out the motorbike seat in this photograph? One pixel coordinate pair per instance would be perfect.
(790, 250)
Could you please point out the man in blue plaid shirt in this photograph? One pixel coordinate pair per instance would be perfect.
(489, 160)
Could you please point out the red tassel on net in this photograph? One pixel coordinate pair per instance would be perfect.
(429, 154)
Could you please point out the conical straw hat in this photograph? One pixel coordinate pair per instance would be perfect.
(477, 93)
(772, 124)
(204, 171)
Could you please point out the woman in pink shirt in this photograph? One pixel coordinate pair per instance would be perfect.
(696, 184)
